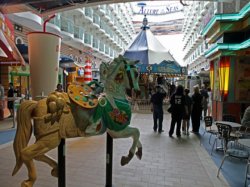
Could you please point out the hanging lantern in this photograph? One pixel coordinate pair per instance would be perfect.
(87, 71)
(224, 69)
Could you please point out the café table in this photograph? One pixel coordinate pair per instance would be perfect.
(244, 142)
(232, 124)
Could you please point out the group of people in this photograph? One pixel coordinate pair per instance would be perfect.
(183, 108)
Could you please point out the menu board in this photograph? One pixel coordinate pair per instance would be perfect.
(242, 84)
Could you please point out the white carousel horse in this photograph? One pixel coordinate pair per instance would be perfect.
(80, 113)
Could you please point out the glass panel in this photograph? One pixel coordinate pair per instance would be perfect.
(95, 43)
(67, 25)
(78, 32)
(107, 49)
(101, 46)
(89, 12)
(96, 19)
(87, 38)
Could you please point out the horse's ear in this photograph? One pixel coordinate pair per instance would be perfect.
(132, 62)
(103, 71)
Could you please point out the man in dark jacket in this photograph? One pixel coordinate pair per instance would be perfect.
(179, 109)
(157, 107)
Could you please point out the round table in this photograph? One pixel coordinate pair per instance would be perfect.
(244, 142)
(232, 124)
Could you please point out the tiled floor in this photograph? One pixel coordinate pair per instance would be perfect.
(166, 162)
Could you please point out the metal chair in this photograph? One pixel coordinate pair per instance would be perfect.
(223, 135)
(208, 127)
(239, 153)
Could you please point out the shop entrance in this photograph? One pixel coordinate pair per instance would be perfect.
(21, 83)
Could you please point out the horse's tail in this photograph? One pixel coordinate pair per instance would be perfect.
(24, 130)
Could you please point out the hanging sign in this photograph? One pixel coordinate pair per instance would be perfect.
(144, 9)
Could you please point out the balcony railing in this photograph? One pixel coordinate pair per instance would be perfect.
(95, 43)
(67, 25)
(101, 46)
(79, 32)
(87, 38)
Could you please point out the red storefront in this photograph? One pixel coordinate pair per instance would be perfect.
(9, 56)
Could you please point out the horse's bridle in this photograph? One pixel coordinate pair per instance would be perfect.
(128, 71)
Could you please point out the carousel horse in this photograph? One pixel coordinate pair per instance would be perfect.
(81, 112)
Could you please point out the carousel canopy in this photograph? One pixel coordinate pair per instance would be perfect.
(147, 49)
(153, 56)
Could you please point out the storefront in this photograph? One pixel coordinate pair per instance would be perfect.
(9, 58)
(229, 56)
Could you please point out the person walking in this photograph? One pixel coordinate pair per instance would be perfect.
(59, 88)
(2, 103)
(209, 105)
(186, 117)
(157, 108)
(178, 105)
(10, 95)
(246, 117)
(196, 110)
(204, 100)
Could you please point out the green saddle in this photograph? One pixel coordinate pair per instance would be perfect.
(114, 119)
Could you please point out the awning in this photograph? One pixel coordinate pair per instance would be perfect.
(66, 62)
(23, 49)
(9, 53)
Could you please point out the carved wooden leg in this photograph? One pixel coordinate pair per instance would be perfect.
(126, 133)
(37, 151)
(51, 162)
(31, 173)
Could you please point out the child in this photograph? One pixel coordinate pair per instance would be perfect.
(186, 118)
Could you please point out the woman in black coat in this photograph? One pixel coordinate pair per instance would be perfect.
(197, 110)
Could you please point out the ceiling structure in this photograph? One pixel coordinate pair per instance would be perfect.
(46, 7)
(164, 17)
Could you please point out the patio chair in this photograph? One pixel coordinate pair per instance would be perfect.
(238, 153)
(208, 127)
(223, 135)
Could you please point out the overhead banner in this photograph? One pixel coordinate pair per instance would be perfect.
(155, 10)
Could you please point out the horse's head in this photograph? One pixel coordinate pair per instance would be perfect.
(121, 71)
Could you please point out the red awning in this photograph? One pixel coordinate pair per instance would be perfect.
(9, 53)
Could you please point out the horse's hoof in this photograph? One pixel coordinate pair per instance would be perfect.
(139, 153)
(126, 159)
(27, 183)
(54, 172)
